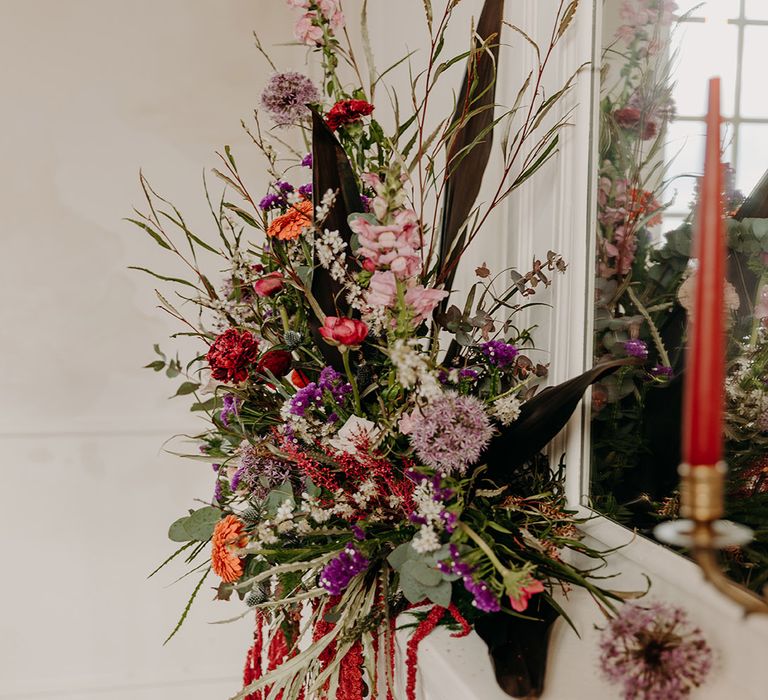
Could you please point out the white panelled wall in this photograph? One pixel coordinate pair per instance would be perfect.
(93, 90)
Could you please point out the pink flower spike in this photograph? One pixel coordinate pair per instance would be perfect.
(520, 603)
(306, 31)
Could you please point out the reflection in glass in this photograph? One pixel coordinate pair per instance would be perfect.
(656, 64)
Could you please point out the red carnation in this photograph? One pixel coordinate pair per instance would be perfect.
(347, 112)
(269, 285)
(231, 355)
(632, 119)
(347, 332)
(276, 361)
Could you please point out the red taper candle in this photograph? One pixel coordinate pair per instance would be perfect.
(705, 358)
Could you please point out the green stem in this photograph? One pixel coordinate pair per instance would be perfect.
(351, 377)
(284, 317)
(651, 327)
(503, 570)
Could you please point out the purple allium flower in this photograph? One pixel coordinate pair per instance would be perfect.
(339, 572)
(661, 372)
(452, 434)
(306, 161)
(654, 653)
(257, 474)
(499, 353)
(230, 408)
(271, 201)
(636, 348)
(286, 97)
(306, 190)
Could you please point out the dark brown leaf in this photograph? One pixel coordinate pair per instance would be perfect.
(466, 168)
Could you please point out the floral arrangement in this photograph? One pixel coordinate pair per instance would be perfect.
(359, 470)
(654, 653)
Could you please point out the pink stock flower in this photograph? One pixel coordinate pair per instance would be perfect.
(299, 4)
(526, 592)
(306, 31)
(423, 301)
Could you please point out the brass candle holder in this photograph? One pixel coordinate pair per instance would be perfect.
(702, 499)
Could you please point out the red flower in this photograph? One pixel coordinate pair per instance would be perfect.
(269, 285)
(299, 379)
(344, 331)
(347, 112)
(525, 593)
(231, 355)
(276, 361)
(633, 119)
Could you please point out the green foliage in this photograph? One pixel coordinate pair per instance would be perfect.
(197, 526)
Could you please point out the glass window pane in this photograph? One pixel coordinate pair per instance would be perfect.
(757, 9)
(753, 156)
(754, 96)
(708, 8)
(697, 62)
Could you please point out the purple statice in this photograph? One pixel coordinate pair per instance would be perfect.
(218, 492)
(654, 653)
(358, 533)
(306, 190)
(306, 397)
(286, 97)
(499, 353)
(468, 374)
(230, 408)
(636, 348)
(661, 372)
(366, 202)
(339, 572)
(306, 161)
(452, 434)
(329, 384)
(484, 597)
(284, 187)
(271, 201)
(256, 474)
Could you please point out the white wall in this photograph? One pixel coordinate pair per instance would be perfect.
(92, 90)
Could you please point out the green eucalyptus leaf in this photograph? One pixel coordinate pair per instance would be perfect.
(187, 388)
(201, 523)
(401, 555)
(177, 532)
(412, 590)
(440, 594)
(418, 570)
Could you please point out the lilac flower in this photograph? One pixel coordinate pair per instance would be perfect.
(271, 201)
(452, 434)
(654, 653)
(286, 97)
(306, 190)
(339, 572)
(230, 408)
(499, 353)
(636, 348)
(306, 161)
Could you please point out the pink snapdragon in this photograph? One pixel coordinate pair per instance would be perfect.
(331, 10)
(422, 301)
(306, 31)
(393, 246)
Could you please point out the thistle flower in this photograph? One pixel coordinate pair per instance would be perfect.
(286, 97)
(654, 653)
(452, 435)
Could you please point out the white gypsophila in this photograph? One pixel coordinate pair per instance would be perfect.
(413, 370)
(426, 540)
(355, 296)
(293, 198)
(394, 501)
(322, 209)
(303, 527)
(284, 511)
(506, 409)
(425, 503)
(365, 493)
(265, 534)
(330, 254)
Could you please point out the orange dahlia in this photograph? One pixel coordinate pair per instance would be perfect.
(228, 534)
(291, 224)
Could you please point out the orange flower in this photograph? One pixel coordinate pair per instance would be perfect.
(228, 534)
(291, 224)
